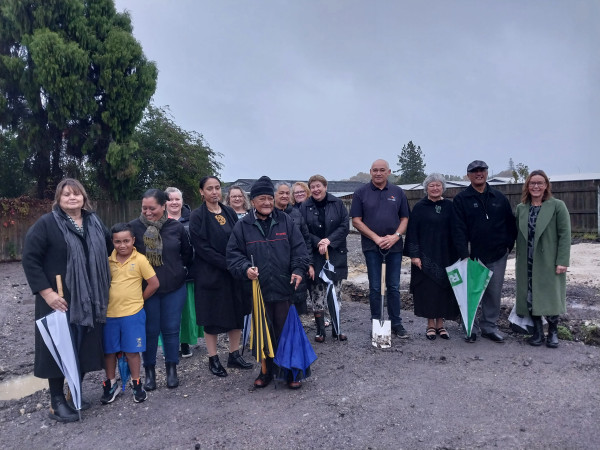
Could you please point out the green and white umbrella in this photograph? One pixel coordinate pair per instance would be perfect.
(469, 279)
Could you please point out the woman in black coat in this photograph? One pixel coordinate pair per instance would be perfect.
(328, 224)
(220, 305)
(71, 242)
(430, 247)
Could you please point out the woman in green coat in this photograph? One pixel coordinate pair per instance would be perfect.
(543, 251)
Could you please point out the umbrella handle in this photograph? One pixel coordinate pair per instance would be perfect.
(59, 287)
(327, 254)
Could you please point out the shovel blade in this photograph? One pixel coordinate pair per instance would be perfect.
(381, 336)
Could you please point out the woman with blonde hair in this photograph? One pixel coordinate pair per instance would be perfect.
(543, 252)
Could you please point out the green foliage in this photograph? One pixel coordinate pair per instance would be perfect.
(520, 173)
(412, 167)
(13, 181)
(564, 333)
(365, 177)
(171, 156)
(453, 177)
(73, 82)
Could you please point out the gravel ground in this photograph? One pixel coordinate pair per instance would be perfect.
(417, 394)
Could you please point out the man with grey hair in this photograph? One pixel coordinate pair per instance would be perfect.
(484, 227)
(380, 213)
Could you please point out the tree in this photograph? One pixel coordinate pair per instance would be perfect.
(167, 155)
(73, 84)
(453, 177)
(361, 176)
(14, 182)
(520, 173)
(412, 167)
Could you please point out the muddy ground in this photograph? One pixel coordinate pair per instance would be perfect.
(418, 394)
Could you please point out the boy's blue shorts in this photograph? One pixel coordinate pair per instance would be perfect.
(125, 334)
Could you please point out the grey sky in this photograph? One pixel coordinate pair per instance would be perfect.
(294, 88)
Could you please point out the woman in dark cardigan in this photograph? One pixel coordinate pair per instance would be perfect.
(429, 246)
(166, 244)
(220, 305)
(71, 242)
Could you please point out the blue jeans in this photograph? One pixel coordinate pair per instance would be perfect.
(163, 316)
(393, 262)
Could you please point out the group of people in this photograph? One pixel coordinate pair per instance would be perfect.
(126, 288)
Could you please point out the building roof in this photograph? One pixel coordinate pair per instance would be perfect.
(337, 188)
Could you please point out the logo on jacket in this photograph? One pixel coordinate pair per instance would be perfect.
(392, 198)
(475, 205)
(280, 234)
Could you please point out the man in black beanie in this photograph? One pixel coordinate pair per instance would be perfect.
(269, 237)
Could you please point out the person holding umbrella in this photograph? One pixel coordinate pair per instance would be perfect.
(166, 245)
(483, 227)
(328, 224)
(267, 246)
(430, 248)
(543, 252)
(221, 302)
(72, 242)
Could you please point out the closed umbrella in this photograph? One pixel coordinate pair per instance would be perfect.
(260, 335)
(294, 352)
(56, 333)
(333, 305)
(469, 279)
(124, 371)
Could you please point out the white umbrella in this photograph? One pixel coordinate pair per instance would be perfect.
(56, 333)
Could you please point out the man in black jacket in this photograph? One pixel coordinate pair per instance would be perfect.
(484, 228)
(269, 238)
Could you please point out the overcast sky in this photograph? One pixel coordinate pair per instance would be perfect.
(298, 87)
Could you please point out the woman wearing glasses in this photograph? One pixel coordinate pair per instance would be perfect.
(300, 192)
(238, 200)
(543, 251)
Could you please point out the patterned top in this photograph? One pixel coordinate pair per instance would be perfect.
(533, 214)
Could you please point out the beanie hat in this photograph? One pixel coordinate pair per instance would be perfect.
(262, 186)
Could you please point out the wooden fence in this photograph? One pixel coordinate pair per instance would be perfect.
(581, 198)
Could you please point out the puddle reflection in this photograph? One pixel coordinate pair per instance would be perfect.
(22, 386)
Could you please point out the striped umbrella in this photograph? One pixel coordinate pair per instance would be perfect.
(260, 336)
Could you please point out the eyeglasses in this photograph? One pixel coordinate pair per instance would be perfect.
(300, 193)
(537, 183)
(236, 196)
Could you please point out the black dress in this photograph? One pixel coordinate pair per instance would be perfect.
(429, 238)
(221, 301)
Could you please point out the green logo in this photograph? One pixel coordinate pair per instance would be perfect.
(455, 278)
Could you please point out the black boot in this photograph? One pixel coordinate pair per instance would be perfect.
(320, 322)
(150, 383)
(236, 360)
(60, 410)
(552, 339)
(537, 338)
(339, 337)
(215, 366)
(172, 379)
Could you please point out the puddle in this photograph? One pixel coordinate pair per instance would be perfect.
(22, 386)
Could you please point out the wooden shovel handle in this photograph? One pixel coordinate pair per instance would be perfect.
(59, 287)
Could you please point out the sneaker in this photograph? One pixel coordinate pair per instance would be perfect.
(110, 392)
(139, 394)
(186, 351)
(399, 331)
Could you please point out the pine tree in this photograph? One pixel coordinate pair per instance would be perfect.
(412, 167)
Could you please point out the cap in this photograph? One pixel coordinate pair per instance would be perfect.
(262, 186)
(477, 164)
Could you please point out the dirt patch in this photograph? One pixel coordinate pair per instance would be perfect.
(417, 394)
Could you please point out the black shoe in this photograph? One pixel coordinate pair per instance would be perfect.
(537, 338)
(552, 339)
(85, 403)
(150, 383)
(215, 366)
(172, 379)
(493, 336)
(339, 337)
(186, 351)
(61, 411)
(139, 394)
(263, 380)
(320, 323)
(399, 331)
(110, 392)
(236, 360)
(471, 339)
